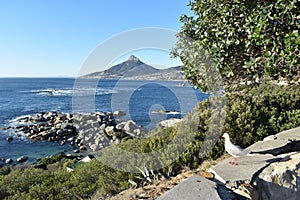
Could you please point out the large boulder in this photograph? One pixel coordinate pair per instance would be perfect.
(280, 180)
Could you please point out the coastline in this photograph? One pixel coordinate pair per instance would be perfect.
(78, 134)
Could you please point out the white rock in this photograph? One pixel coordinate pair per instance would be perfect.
(130, 126)
(169, 122)
(281, 179)
(110, 130)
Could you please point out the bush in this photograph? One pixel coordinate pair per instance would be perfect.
(251, 115)
(247, 40)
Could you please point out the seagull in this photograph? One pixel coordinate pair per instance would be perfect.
(234, 150)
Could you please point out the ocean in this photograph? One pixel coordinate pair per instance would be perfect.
(145, 102)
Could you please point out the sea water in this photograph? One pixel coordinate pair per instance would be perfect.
(142, 101)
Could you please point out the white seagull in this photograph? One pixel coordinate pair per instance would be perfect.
(234, 150)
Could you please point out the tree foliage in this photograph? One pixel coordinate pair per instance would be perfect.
(247, 39)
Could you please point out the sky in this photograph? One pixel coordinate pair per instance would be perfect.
(51, 38)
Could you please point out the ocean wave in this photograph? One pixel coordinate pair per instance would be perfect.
(166, 112)
(71, 91)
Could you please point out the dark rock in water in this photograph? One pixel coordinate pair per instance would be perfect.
(22, 159)
(8, 161)
(76, 151)
(8, 139)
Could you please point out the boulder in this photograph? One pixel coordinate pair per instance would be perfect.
(120, 126)
(130, 126)
(8, 139)
(119, 113)
(110, 130)
(82, 148)
(169, 122)
(22, 159)
(8, 161)
(280, 180)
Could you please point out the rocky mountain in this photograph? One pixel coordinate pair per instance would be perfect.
(135, 69)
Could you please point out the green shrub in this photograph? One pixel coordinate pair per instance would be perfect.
(251, 114)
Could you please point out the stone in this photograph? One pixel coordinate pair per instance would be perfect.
(22, 159)
(71, 139)
(234, 175)
(195, 188)
(169, 122)
(8, 161)
(110, 130)
(119, 113)
(280, 180)
(263, 154)
(8, 139)
(137, 131)
(130, 126)
(82, 148)
(120, 126)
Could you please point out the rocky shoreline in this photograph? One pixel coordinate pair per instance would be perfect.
(83, 132)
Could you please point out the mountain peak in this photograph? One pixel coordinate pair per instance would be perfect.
(133, 58)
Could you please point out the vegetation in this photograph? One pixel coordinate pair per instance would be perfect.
(246, 40)
(250, 116)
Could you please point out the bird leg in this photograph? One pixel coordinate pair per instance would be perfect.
(233, 162)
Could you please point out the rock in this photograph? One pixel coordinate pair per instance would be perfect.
(137, 131)
(8, 161)
(63, 142)
(41, 119)
(119, 113)
(246, 168)
(280, 180)
(248, 191)
(82, 148)
(130, 126)
(195, 188)
(120, 126)
(110, 130)
(22, 159)
(71, 139)
(117, 141)
(76, 151)
(8, 139)
(169, 122)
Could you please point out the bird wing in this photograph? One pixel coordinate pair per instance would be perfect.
(236, 150)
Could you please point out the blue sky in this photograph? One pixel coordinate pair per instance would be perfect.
(49, 38)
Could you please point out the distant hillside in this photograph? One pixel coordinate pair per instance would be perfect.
(134, 69)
